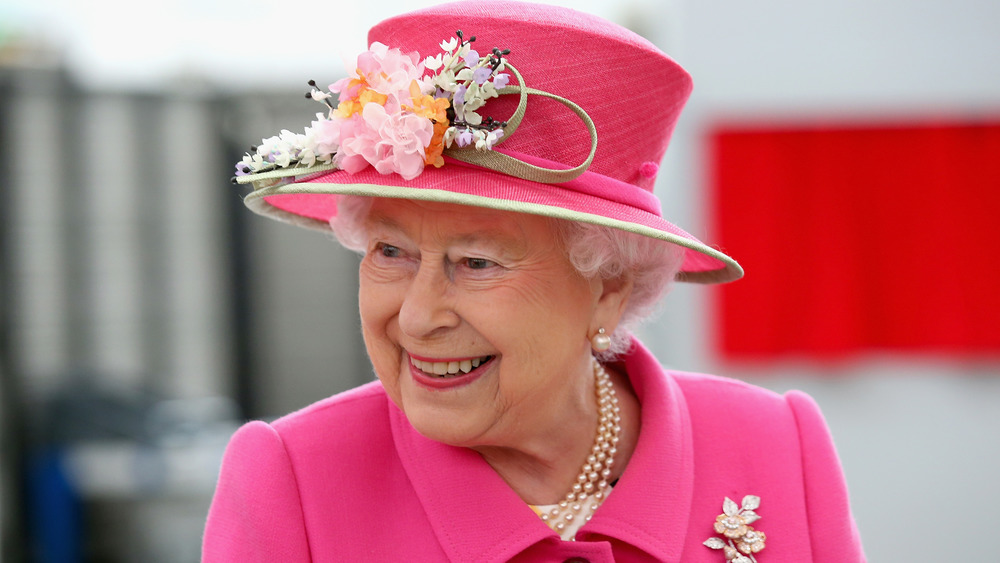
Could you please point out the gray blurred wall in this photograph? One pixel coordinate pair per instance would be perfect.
(130, 265)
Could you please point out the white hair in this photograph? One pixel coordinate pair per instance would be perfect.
(594, 250)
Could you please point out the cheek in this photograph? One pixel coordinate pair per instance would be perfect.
(378, 313)
(554, 299)
(375, 298)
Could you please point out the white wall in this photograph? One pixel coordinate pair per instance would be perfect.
(919, 435)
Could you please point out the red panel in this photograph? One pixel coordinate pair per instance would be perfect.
(859, 238)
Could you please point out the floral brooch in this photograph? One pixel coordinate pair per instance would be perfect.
(394, 116)
(741, 540)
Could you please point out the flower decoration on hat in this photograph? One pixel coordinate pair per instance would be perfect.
(394, 116)
(740, 541)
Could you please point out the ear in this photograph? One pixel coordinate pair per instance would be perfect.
(612, 297)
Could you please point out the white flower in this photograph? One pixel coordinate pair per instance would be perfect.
(319, 95)
(446, 81)
(734, 525)
(493, 136)
(473, 118)
(307, 157)
(391, 73)
(449, 136)
(485, 140)
(434, 63)
(480, 137)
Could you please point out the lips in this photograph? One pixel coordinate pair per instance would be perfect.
(448, 368)
(443, 374)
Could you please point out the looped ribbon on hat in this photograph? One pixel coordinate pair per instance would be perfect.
(511, 166)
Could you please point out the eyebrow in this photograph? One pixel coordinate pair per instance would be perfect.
(486, 234)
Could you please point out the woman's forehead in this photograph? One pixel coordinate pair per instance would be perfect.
(458, 222)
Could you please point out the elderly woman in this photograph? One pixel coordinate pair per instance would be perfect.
(506, 254)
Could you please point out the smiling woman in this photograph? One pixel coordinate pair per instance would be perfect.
(593, 250)
(523, 306)
(515, 417)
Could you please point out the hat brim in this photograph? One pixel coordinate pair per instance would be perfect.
(308, 200)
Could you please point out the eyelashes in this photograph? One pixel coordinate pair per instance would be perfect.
(389, 251)
(390, 256)
(479, 263)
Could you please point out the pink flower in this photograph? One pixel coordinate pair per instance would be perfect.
(357, 144)
(327, 134)
(384, 70)
(392, 143)
(403, 140)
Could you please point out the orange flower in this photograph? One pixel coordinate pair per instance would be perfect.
(425, 105)
(751, 542)
(436, 147)
(435, 109)
(731, 526)
(363, 95)
(347, 108)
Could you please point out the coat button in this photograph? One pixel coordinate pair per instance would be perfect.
(577, 560)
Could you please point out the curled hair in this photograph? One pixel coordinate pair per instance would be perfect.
(598, 251)
(349, 223)
(593, 250)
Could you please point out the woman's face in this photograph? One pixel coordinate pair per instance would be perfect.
(475, 321)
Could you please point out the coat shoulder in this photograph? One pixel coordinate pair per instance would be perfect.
(351, 405)
(354, 421)
(712, 393)
(738, 401)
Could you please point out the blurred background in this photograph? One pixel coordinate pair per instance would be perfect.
(847, 153)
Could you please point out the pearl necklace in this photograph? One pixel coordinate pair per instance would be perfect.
(591, 486)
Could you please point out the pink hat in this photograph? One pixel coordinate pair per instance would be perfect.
(422, 119)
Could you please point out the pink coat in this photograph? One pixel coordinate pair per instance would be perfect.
(348, 479)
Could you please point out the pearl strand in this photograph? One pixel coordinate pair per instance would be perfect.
(591, 486)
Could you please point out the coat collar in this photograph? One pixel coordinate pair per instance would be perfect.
(650, 506)
(478, 517)
(474, 513)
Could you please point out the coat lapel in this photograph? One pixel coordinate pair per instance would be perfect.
(476, 516)
(474, 513)
(651, 504)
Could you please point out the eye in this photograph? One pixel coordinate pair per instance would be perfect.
(479, 263)
(386, 255)
(389, 251)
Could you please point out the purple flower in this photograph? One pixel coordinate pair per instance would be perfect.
(482, 74)
(501, 80)
(242, 169)
(472, 58)
(464, 138)
(460, 95)
(493, 137)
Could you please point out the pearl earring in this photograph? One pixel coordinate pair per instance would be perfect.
(600, 341)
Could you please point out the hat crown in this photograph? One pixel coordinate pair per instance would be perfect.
(630, 89)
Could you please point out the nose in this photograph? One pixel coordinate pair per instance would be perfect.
(427, 309)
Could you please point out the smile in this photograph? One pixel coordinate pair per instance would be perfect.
(449, 368)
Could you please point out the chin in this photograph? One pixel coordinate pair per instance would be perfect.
(444, 429)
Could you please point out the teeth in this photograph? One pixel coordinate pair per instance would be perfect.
(448, 369)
